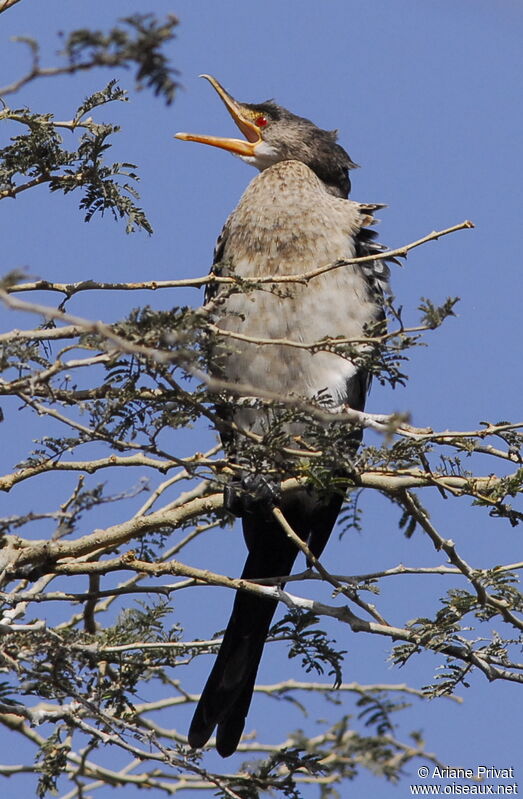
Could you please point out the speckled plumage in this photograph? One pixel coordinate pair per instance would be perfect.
(287, 223)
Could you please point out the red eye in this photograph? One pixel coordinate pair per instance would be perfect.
(261, 122)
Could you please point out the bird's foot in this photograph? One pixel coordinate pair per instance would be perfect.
(254, 493)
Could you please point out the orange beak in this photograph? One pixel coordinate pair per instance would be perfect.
(240, 114)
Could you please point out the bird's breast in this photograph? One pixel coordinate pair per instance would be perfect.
(288, 224)
(286, 220)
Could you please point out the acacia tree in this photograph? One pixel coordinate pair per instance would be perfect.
(113, 398)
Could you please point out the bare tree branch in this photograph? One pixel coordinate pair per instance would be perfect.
(153, 285)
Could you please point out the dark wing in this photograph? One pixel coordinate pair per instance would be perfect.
(224, 411)
(376, 274)
(211, 289)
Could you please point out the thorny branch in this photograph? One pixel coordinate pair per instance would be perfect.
(90, 670)
(69, 289)
(62, 558)
(380, 422)
(93, 555)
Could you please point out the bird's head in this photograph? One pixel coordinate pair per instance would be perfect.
(273, 134)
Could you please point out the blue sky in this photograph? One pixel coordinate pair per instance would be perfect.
(427, 99)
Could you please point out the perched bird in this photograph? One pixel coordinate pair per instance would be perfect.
(293, 218)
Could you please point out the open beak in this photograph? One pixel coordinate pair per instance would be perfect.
(238, 112)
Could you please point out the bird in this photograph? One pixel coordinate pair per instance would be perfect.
(294, 217)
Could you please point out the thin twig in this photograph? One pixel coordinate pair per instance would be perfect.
(473, 575)
(153, 285)
(5, 4)
(347, 591)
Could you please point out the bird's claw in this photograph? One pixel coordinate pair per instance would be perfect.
(254, 493)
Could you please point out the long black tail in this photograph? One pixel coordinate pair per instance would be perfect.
(227, 695)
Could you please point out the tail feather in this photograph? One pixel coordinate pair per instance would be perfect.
(230, 730)
(224, 700)
(227, 695)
